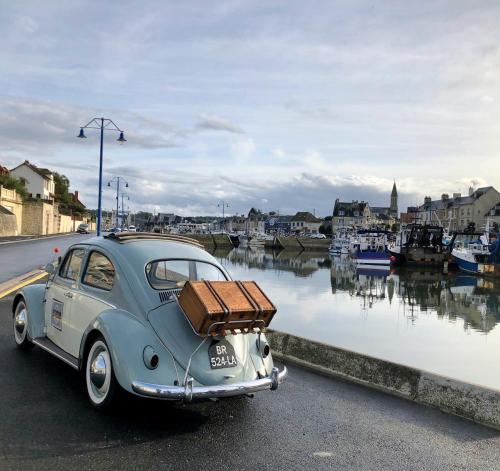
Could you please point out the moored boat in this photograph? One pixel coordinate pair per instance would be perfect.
(418, 244)
(371, 248)
(477, 255)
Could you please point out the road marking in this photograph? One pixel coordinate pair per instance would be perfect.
(322, 454)
(25, 282)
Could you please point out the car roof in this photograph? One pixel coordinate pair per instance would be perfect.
(138, 252)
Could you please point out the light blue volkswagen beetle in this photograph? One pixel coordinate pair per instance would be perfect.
(110, 310)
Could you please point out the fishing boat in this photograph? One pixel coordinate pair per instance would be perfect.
(478, 256)
(371, 248)
(340, 245)
(418, 244)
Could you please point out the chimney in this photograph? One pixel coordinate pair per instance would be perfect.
(456, 195)
(76, 195)
(427, 199)
(471, 190)
(445, 197)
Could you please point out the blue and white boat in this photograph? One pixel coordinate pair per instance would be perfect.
(340, 244)
(478, 257)
(371, 248)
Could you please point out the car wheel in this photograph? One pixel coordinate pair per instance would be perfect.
(21, 326)
(100, 379)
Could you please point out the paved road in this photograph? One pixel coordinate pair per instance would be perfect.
(312, 422)
(21, 257)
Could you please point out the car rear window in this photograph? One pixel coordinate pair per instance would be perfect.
(100, 272)
(167, 274)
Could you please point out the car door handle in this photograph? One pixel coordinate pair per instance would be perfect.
(69, 294)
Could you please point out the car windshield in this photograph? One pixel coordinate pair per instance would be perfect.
(167, 274)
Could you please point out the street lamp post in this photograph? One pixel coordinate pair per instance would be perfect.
(102, 124)
(123, 209)
(116, 181)
(224, 206)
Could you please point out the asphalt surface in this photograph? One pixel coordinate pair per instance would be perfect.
(21, 257)
(312, 422)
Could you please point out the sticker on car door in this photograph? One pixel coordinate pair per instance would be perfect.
(57, 314)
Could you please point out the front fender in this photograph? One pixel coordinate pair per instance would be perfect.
(34, 296)
(127, 338)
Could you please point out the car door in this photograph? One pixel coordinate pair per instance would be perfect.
(93, 296)
(60, 296)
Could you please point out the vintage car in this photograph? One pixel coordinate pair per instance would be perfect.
(110, 309)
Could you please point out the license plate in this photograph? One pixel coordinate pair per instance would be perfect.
(221, 355)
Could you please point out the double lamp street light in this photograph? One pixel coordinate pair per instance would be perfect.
(103, 124)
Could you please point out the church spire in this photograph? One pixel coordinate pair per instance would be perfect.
(394, 201)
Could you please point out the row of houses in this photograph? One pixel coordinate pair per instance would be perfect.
(38, 213)
(458, 212)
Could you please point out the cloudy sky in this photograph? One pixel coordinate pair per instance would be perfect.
(282, 105)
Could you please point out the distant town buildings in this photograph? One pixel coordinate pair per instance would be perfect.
(361, 215)
(305, 223)
(457, 212)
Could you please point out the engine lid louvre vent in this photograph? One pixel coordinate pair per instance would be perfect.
(166, 296)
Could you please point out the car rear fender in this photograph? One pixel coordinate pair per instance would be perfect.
(127, 337)
(33, 296)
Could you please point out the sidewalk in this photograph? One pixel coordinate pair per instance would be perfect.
(11, 239)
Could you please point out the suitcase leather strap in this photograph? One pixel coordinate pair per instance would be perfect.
(226, 309)
(256, 306)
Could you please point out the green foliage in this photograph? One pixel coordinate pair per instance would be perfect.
(325, 229)
(61, 184)
(13, 183)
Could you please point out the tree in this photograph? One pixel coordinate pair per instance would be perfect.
(61, 183)
(13, 183)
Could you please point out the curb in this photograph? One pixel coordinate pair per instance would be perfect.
(470, 401)
(14, 284)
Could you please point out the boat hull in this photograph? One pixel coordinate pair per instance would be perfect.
(372, 258)
(469, 265)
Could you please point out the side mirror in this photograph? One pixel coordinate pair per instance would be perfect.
(50, 269)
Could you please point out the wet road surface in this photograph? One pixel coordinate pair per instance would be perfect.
(21, 257)
(312, 422)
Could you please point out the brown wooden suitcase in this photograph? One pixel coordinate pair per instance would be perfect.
(215, 307)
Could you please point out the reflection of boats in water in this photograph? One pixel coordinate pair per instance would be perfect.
(365, 281)
(467, 297)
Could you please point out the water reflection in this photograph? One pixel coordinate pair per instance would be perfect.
(446, 323)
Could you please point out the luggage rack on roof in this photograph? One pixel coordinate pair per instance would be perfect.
(131, 236)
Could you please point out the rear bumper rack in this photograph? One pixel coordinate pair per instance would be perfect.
(188, 392)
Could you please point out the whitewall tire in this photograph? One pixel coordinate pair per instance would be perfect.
(100, 379)
(20, 321)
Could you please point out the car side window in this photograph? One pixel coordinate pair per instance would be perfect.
(72, 264)
(100, 272)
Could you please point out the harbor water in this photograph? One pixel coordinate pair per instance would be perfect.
(443, 323)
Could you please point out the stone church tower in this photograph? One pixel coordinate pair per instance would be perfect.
(394, 201)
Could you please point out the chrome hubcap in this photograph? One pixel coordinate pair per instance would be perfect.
(20, 323)
(98, 371)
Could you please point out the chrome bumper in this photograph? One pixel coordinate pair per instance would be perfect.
(189, 392)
